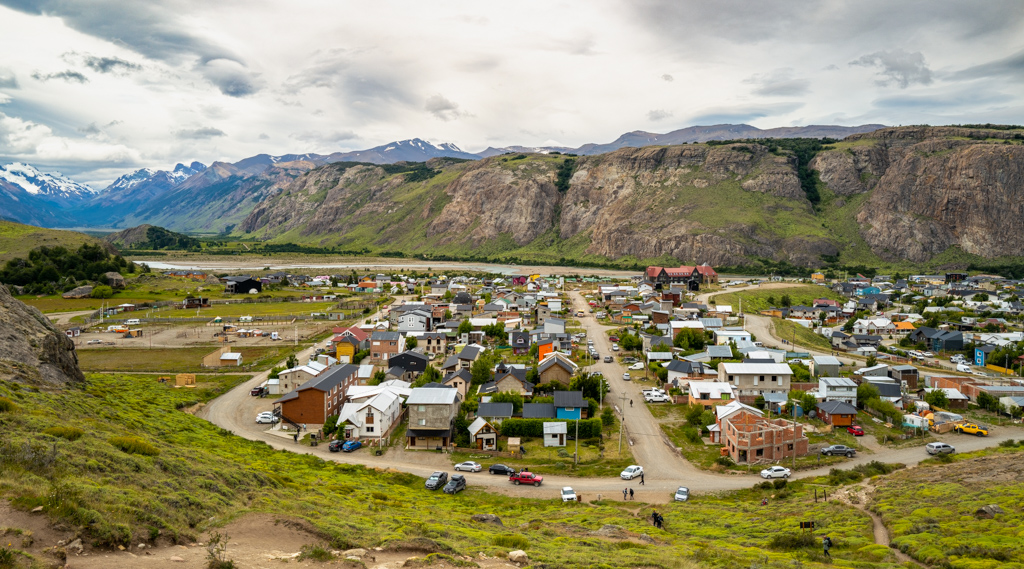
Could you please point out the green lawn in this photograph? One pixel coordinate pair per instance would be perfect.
(786, 329)
(756, 300)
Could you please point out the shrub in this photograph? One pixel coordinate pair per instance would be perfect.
(725, 461)
(1008, 443)
(7, 558)
(766, 485)
(791, 541)
(837, 476)
(102, 291)
(511, 541)
(69, 433)
(134, 445)
(607, 417)
(779, 484)
(316, 552)
(692, 434)
(875, 468)
(7, 406)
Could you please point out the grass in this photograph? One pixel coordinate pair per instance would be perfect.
(178, 360)
(806, 337)
(16, 240)
(204, 476)
(756, 300)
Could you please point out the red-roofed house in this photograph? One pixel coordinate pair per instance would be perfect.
(690, 276)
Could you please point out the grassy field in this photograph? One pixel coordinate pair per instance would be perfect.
(804, 336)
(177, 360)
(16, 240)
(179, 476)
(756, 300)
(547, 460)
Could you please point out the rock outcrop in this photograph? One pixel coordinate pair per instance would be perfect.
(32, 350)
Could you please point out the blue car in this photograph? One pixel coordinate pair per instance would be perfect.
(350, 446)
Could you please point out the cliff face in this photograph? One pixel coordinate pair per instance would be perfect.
(31, 349)
(927, 189)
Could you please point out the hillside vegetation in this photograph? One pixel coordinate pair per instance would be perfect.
(16, 240)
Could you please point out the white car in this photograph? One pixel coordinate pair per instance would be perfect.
(636, 366)
(266, 418)
(568, 494)
(657, 398)
(615, 347)
(682, 494)
(468, 466)
(625, 377)
(631, 472)
(775, 472)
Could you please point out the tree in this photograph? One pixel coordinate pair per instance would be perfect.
(871, 361)
(590, 384)
(431, 374)
(980, 297)
(515, 399)
(607, 417)
(378, 377)
(447, 314)
(465, 327)
(866, 392)
(937, 398)
(534, 350)
(102, 291)
(808, 402)
(293, 362)
(330, 425)
(786, 301)
(771, 300)
(411, 342)
(689, 339)
(482, 367)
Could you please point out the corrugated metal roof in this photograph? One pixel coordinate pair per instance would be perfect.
(432, 396)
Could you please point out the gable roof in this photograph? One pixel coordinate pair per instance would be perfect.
(478, 424)
(555, 428)
(555, 358)
(765, 369)
(539, 411)
(330, 378)
(837, 408)
(571, 399)
(494, 410)
(433, 396)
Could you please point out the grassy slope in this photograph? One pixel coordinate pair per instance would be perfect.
(756, 300)
(204, 473)
(16, 240)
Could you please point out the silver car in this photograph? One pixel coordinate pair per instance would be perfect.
(939, 448)
(468, 466)
(682, 494)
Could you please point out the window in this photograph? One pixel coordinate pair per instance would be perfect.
(760, 378)
(423, 422)
(789, 446)
(421, 408)
(725, 396)
(370, 430)
(775, 378)
(730, 378)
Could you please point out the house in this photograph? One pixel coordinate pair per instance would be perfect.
(888, 390)
(905, 373)
(222, 357)
(752, 439)
(508, 378)
(981, 354)
(296, 377)
(468, 355)
(345, 348)
(520, 342)
(956, 399)
(555, 434)
(372, 418)
(414, 363)
(680, 372)
(902, 328)
(723, 411)
(432, 412)
(825, 366)
(938, 340)
(383, 345)
(483, 435)
(751, 380)
(538, 410)
(242, 285)
(459, 380)
(554, 326)
(494, 413)
(837, 413)
(724, 336)
(710, 393)
(570, 405)
(838, 389)
(434, 342)
(320, 397)
(556, 367)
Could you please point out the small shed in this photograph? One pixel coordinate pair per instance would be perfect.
(554, 434)
(514, 445)
(837, 413)
(231, 359)
(185, 379)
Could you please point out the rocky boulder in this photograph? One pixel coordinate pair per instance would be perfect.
(79, 292)
(32, 350)
(114, 280)
(519, 557)
(487, 519)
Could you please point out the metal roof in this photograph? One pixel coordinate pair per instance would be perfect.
(432, 396)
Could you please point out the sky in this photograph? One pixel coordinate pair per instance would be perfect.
(98, 88)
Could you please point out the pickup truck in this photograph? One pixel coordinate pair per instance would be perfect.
(656, 397)
(526, 478)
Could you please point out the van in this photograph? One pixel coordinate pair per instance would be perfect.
(963, 368)
(133, 322)
(245, 318)
(275, 336)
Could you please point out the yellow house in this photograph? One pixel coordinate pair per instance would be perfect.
(346, 349)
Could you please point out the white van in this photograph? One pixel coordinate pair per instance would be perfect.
(133, 322)
(245, 318)
(963, 368)
(274, 336)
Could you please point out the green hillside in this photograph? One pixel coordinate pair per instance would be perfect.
(16, 240)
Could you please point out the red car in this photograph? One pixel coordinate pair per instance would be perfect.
(855, 430)
(526, 478)
(614, 338)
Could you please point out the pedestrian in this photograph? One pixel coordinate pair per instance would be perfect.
(641, 478)
(296, 436)
(630, 493)
(625, 493)
(630, 402)
(304, 427)
(826, 543)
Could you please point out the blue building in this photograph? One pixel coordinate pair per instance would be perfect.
(981, 354)
(570, 405)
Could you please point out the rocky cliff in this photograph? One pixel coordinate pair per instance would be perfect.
(31, 349)
(913, 192)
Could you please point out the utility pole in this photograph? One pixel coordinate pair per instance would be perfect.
(576, 455)
(622, 421)
(794, 437)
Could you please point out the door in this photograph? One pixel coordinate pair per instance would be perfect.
(561, 440)
(412, 441)
(480, 444)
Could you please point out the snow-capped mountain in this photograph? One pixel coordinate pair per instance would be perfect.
(180, 173)
(54, 186)
(413, 150)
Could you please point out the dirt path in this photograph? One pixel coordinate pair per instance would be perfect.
(858, 496)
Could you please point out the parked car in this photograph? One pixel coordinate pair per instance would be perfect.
(608, 359)
(682, 494)
(335, 446)
(655, 397)
(855, 430)
(636, 366)
(457, 482)
(468, 466)
(963, 368)
(632, 471)
(526, 478)
(775, 472)
(257, 391)
(568, 494)
(971, 429)
(629, 360)
(939, 448)
(266, 417)
(94, 342)
(615, 347)
(350, 446)
(625, 377)
(839, 449)
(437, 480)
(614, 338)
(501, 469)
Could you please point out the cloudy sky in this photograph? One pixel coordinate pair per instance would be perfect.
(96, 88)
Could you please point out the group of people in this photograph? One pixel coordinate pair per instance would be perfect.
(658, 519)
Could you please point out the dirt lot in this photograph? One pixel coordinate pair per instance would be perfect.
(181, 335)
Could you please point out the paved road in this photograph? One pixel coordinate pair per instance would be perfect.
(236, 410)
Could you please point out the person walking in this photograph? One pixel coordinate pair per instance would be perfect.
(826, 543)
(625, 493)
(641, 478)
(296, 436)
(630, 493)
(630, 402)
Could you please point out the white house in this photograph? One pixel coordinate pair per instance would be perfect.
(483, 435)
(874, 326)
(726, 336)
(554, 434)
(751, 380)
(414, 321)
(373, 418)
(837, 389)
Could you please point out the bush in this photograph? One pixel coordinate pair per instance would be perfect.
(102, 291)
(69, 433)
(7, 558)
(1008, 443)
(725, 461)
(134, 445)
(511, 541)
(791, 541)
(875, 468)
(607, 417)
(779, 484)
(316, 552)
(589, 428)
(766, 485)
(7, 406)
(837, 476)
(692, 434)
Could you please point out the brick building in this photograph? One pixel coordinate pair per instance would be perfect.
(751, 439)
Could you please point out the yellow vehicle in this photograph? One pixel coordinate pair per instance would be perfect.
(971, 429)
